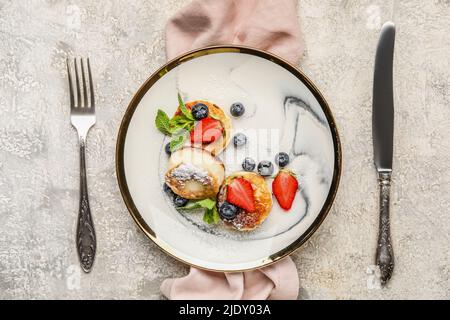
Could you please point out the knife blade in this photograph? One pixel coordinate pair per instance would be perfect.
(383, 100)
(382, 137)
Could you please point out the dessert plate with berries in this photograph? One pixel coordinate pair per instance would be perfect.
(228, 158)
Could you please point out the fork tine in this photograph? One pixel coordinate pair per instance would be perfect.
(77, 81)
(91, 84)
(85, 95)
(70, 84)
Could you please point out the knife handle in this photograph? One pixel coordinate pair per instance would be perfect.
(385, 253)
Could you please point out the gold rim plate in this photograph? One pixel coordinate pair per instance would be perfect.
(213, 50)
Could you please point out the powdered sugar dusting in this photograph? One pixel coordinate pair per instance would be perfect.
(188, 171)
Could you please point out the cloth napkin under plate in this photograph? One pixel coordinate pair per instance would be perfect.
(271, 25)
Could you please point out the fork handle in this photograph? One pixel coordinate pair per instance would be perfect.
(86, 240)
(385, 253)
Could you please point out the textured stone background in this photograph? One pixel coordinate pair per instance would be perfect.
(125, 40)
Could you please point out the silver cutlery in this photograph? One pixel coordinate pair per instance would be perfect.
(382, 136)
(82, 118)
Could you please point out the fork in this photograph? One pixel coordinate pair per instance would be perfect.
(82, 118)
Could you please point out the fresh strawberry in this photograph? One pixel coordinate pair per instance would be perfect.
(240, 193)
(284, 187)
(206, 131)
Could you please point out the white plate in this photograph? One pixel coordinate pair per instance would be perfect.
(284, 112)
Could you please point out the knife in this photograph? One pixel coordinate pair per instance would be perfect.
(382, 137)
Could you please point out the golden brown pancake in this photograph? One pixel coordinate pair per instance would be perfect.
(194, 173)
(217, 113)
(247, 221)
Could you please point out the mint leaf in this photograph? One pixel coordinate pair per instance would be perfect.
(180, 100)
(185, 121)
(180, 122)
(208, 217)
(215, 215)
(177, 142)
(191, 205)
(162, 122)
(177, 120)
(211, 216)
(204, 203)
(183, 108)
(207, 203)
(189, 126)
(179, 128)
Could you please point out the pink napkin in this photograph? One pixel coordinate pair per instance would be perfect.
(271, 25)
(278, 281)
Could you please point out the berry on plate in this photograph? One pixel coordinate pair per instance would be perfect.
(284, 187)
(167, 190)
(239, 139)
(282, 159)
(248, 164)
(265, 168)
(240, 193)
(228, 211)
(200, 111)
(237, 109)
(206, 131)
(179, 201)
(167, 149)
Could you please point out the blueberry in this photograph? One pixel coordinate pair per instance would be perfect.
(200, 111)
(282, 159)
(167, 190)
(248, 164)
(167, 149)
(179, 201)
(237, 109)
(228, 211)
(239, 139)
(265, 168)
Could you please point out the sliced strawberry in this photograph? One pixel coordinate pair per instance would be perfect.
(206, 131)
(284, 187)
(240, 193)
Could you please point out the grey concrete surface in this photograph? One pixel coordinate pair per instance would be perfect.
(125, 40)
